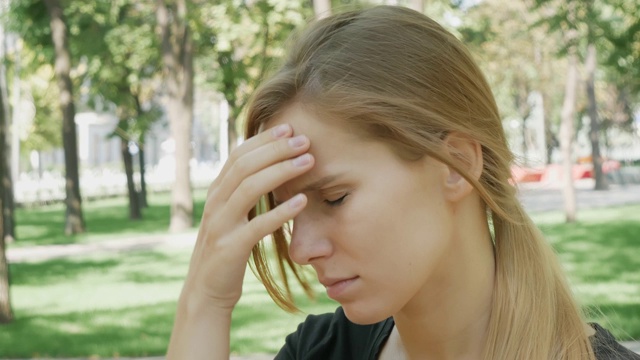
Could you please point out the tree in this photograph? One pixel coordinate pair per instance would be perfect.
(417, 5)
(74, 222)
(591, 62)
(567, 135)
(322, 8)
(134, 200)
(594, 131)
(249, 39)
(123, 71)
(521, 65)
(590, 27)
(6, 315)
(177, 56)
(8, 228)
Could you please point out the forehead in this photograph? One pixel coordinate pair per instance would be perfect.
(305, 121)
(336, 148)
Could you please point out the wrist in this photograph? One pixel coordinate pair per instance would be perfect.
(195, 305)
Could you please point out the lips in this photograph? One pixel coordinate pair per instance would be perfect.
(336, 287)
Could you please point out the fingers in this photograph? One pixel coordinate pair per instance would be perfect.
(226, 235)
(252, 187)
(255, 142)
(265, 224)
(258, 159)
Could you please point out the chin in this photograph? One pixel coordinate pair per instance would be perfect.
(365, 315)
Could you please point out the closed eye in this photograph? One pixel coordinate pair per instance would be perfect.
(336, 202)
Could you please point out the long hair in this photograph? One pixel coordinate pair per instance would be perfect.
(399, 77)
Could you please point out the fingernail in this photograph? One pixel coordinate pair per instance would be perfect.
(296, 201)
(302, 160)
(298, 141)
(280, 130)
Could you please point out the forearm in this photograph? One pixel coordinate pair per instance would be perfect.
(200, 333)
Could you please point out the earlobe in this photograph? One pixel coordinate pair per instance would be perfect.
(467, 155)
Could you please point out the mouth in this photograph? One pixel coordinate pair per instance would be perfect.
(338, 287)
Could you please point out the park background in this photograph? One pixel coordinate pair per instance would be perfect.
(115, 116)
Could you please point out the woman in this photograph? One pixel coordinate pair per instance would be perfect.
(381, 140)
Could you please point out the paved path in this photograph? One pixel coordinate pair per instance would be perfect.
(141, 242)
(538, 199)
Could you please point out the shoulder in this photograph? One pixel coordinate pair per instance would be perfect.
(333, 336)
(606, 347)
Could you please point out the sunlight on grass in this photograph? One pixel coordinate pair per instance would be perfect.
(123, 304)
(600, 253)
(104, 218)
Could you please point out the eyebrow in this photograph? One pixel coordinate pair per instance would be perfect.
(315, 185)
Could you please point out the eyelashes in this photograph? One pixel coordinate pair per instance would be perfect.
(336, 202)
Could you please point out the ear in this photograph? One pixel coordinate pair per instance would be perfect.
(466, 152)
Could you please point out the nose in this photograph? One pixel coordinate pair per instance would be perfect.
(309, 240)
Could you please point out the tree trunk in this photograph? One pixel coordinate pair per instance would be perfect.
(233, 133)
(127, 159)
(143, 182)
(417, 5)
(8, 202)
(7, 178)
(566, 137)
(177, 56)
(321, 8)
(520, 99)
(550, 140)
(594, 131)
(74, 223)
(6, 315)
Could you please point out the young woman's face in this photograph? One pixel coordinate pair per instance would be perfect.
(376, 228)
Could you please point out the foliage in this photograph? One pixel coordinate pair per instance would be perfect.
(249, 39)
(44, 131)
(613, 26)
(115, 57)
(125, 70)
(516, 58)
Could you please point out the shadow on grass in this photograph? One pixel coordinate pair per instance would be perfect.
(56, 271)
(598, 252)
(140, 267)
(103, 218)
(603, 263)
(135, 331)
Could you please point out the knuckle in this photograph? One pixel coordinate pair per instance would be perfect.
(241, 166)
(213, 187)
(234, 155)
(261, 226)
(275, 148)
(247, 185)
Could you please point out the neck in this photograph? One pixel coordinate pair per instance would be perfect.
(449, 317)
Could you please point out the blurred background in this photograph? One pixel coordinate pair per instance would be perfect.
(115, 116)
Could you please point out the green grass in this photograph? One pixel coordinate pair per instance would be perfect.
(123, 304)
(104, 218)
(601, 253)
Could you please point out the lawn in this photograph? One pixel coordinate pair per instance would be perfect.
(104, 218)
(123, 304)
(601, 253)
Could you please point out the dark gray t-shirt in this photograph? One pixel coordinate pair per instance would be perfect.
(334, 337)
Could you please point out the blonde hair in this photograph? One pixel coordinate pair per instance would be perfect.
(400, 77)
